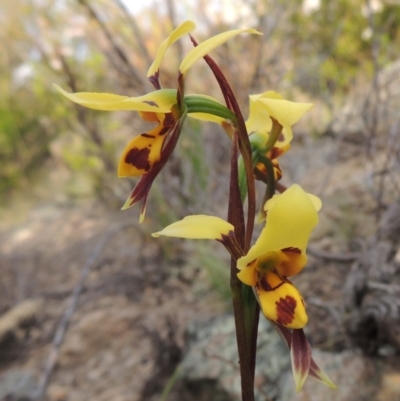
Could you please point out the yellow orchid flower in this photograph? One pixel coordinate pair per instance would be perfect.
(278, 253)
(141, 154)
(268, 105)
(148, 152)
(259, 141)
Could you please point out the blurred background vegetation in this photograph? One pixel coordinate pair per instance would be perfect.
(59, 160)
(313, 50)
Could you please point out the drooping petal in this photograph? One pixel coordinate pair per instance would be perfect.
(160, 101)
(290, 220)
(176, 34)
(205, 47)
(315, 371)
(300, 353)
(142, 188)
(144, 151)
(198, 227)
(319, 374)
(280, 301)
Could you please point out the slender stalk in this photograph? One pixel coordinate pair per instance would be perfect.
(236, 217)
(244, 143)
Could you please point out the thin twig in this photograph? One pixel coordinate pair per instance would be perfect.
(136, 31)
(133, 74)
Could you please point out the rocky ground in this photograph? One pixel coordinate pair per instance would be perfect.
(93, 308)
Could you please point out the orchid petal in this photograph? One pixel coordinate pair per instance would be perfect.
(292, 262)
(207, 117)
(176, 34)
(287, 113)
(205, 47)
(300, 353)
(198, 227)
(160, 101)
(248, 276)
(280, 301)
(144, 151)
(290, 220)
(319, 374)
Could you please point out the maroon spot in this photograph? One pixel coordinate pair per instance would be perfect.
(264, 284)
(290, 249)
(281, 137)
(274, 153)
(169, 120)
(139, 158)
(285, 308)
(150, 103)
(148, 136)
(164, 130)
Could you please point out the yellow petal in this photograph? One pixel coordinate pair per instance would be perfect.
(182, 30)
(248, 276)
(205, 47)
(160, 101)
(207, 117)
(284, 138)
(280, 301)
(292, 262)
(197, 227)
(313, 198)
(144, 151)
(259, 119)
(290, 220)
(287, 113)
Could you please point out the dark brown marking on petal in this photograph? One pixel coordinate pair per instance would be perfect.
(281, 137)
(150, 103)
(291, 249)
(139, 158)
(169, 120)
(264, 284)
(148, 136)
(164, 130)
(274, 153)
(285, 308)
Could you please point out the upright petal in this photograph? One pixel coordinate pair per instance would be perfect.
(287, 113)
(182, 30)
(259, 119)
(198, 227)
(160, 101)
(290, 220)
(205, 47)
(280, 301)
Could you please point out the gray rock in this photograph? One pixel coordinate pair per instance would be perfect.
(17, 385)
(211, 360)
(212, 357)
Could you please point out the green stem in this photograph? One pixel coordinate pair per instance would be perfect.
(269, 193)
(274, 135)
(197, 104)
